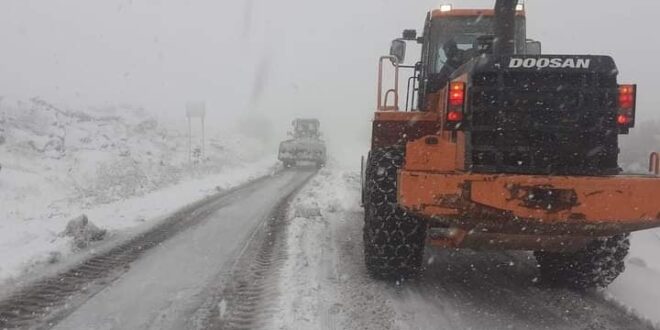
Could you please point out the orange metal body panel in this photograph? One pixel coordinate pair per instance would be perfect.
(487, 212)
(417, 158)
(405, 116)
(618, 199)
(430, 185)
(396, 128)
(446, 156)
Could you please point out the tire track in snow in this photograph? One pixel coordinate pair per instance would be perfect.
(245, 300)
(324, 283)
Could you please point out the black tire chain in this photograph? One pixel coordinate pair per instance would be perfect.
(596, 265)
(393, 239)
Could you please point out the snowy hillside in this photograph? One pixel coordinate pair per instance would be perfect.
(115, 164)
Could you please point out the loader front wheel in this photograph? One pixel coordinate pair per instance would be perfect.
(393, 239)
(595, 266)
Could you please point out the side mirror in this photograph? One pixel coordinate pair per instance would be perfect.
(398, 50)
(409, 35)
(533, 47)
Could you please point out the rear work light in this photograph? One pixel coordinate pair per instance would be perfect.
(445, 8)
(627, 104)
(455, 106)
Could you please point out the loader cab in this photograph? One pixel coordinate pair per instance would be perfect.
(451, 38)
(306, 128)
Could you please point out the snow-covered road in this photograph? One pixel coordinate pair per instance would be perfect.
(271, 256)
(164, 288)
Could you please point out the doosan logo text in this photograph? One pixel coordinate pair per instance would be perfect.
(554, 63)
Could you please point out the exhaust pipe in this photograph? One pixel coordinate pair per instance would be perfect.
(505, 27)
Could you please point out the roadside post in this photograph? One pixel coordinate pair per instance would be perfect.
(196, 111)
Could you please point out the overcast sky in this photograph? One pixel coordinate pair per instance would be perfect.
(272, 59)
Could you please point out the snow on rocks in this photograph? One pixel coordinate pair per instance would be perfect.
(83, 232)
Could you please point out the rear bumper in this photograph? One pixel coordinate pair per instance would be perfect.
(533, 205)
(302, 156)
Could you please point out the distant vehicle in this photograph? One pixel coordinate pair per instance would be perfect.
(507, 149)
(306, 145)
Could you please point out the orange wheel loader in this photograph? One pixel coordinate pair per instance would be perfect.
(502, 147)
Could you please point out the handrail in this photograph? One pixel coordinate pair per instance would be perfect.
(654, 163)
(410, 104)
(387, 95)
(382, 106)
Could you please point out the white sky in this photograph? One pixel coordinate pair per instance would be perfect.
(272, 59)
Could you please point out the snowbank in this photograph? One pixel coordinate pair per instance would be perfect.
(323, 284)
(114, 164)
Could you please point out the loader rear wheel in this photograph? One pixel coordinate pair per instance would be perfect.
(393, 239)
(597, 265)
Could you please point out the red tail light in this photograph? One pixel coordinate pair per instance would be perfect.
(456, 94)
(623, 120)
(454, 116)
(626, 96)
(627, 104)
(456, 105)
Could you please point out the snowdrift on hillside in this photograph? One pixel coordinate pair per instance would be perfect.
(59, 164)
